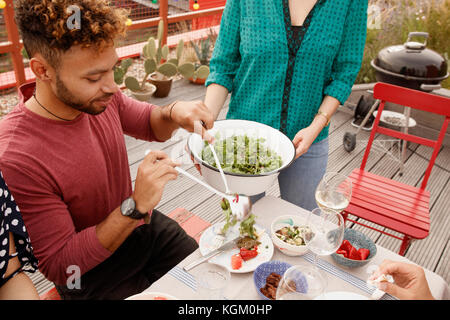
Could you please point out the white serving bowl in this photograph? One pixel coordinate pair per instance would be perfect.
(284, 221)
(243, 183)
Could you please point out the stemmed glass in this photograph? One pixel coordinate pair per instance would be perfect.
(326, 223)
(301, 282)
(326, 232)
(212, 280)
(334, 192)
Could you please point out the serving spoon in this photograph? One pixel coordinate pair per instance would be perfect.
(240, 205)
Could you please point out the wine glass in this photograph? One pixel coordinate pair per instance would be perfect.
(301, 282)
(334, 192)
(326, 232)
(211, 280)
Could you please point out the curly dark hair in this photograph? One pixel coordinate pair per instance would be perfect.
(44, 29)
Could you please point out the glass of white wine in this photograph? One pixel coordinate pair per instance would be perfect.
(326, 232)
(334, 192)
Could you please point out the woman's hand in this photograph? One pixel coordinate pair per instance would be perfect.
(304, 139)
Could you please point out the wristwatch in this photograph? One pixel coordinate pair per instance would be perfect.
(128, 209)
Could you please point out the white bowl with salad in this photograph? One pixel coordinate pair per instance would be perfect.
(251, 154)
(287, 233)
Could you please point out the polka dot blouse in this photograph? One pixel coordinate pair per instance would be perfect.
(11, 222)
(278, 74)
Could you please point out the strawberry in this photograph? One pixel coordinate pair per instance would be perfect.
(343, 252)
(363, 253)
(346, 245)
(248, 254)
(353, 254)
(236, 261)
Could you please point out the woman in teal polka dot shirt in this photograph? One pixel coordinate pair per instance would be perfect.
(289, 64)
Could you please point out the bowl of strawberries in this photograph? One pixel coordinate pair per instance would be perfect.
(356, 250)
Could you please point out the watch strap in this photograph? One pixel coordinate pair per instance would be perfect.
(137, 215)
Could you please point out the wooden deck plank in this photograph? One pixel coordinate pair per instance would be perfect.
(442, 161)
(41, 283)
(133, 143)
(426, 252)
(443, 267)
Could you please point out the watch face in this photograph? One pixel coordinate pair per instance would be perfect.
(127, 207)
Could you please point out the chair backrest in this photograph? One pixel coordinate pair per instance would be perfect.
(417, 100)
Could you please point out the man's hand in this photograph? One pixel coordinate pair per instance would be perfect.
(194, 116)
(153, 174)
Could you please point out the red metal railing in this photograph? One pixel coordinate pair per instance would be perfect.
(13, 45)
(208, 15)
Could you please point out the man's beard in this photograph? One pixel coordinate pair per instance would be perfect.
(64, 94)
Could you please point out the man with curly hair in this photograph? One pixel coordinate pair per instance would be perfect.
(63, 153)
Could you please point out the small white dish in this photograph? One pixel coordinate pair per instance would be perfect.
(284, 247)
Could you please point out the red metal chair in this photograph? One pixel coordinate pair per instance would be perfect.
(388, 203)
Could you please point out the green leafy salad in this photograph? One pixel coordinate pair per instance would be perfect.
(247, 226)
(242, 154)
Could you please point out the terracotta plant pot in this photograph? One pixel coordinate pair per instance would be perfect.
(146, 94)
(162, 86)
(197, 81)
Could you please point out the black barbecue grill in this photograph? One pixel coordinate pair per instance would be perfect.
(411, 65)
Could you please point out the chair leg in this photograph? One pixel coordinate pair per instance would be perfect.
(405, 243)
(345, 216)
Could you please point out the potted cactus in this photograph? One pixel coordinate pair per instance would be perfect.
(140, 91)
(158, 71)
(156, 64)
(199, 71)
(121, 70)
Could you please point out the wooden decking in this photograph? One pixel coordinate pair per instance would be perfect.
(432, 253)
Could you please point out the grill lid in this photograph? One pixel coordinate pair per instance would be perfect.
(412, 59)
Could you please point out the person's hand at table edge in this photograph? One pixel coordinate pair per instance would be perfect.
(410, 282)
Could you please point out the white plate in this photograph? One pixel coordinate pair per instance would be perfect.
(341, 295)
(151, 296)
(208, 242)
(387, 113)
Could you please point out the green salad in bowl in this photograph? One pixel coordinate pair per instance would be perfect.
(251, 154)
(242, 154)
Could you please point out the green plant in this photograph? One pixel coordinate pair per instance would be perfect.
(155, 61)
(121, 70)
(199, 70)
(202, 50)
